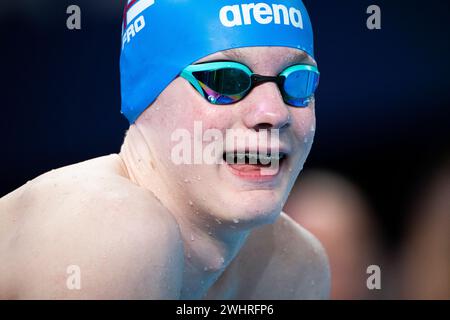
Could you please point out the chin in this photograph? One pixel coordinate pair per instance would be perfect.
(257, 209)
(259, 218)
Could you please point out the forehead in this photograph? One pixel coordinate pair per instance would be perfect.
(263, 58)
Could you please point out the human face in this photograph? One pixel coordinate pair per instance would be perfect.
(220, 190)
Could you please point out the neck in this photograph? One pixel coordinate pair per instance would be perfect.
(209, 243)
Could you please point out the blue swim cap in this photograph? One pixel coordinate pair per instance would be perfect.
(162, 37)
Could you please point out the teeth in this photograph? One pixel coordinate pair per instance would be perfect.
(253, 158)
(240, 158)
(265, 159)
(277, 156)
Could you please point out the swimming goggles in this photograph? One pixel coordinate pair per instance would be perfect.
(227, 82)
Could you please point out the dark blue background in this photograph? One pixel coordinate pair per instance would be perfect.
(382, 105)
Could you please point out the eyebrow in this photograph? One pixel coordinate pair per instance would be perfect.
(298, 57)
(235, 54)
(238, 55)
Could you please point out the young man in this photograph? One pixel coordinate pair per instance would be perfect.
(143, 225)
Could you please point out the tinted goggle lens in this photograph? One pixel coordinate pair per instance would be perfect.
(224, 86)
(299, 86)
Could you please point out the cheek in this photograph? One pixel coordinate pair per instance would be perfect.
(304, 124)
(173, 110)
(180, 106)
(181, 109)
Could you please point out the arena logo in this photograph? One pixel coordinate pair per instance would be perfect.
(262, 13)
(133, 20)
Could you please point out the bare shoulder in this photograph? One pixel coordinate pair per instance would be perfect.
(280, 261)
(88, 220)
(305, 258)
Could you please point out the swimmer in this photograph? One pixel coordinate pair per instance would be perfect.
(137, 225)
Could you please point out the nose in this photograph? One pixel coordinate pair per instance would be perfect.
(264, 108)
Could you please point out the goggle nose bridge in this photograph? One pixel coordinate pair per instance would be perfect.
(258, 79)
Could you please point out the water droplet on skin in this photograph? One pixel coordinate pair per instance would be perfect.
(205, 269)
(189, 255)
(313, 128)
(290, 169)
(192, 237)
(199, 178)
(218, 221)
(305, 140)
(236, 220)
(210, 233)
(186, 180)
(191, 203)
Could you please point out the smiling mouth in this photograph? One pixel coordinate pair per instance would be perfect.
(255, 165)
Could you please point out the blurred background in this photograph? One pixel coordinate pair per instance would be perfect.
(376, 187)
